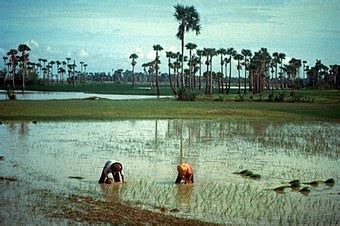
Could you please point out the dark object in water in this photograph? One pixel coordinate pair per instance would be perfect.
(0, 122)
(280, 189)
(8, 178)
(175, 210)
(295, 184)
(305, 190)
(76, 177)
(255, 176)
(313, 183)
(34, 122)
(294, 181)
(2, 158)
(330, 182)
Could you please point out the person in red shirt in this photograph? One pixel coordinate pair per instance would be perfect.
(185, 173)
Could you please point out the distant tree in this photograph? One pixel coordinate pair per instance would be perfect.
(231, 52)
(221, 52)
(238, 57)
(246, 53)
(157, 48)
(133, 56)
(13, 63)
(190, 46)
(23, 48)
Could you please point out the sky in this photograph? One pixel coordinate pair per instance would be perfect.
(104, 33)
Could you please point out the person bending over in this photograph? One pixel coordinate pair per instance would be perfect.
(115, 168)
(185, 173)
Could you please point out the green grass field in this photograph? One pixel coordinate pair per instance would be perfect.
(163, 109)
(314, 105)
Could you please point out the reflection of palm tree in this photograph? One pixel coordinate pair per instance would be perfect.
(133, 56)
(188, 19)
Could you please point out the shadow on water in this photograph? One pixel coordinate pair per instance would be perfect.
(50, 152)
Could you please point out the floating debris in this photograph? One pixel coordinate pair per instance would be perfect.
(34, 122)
(8, 178)
(330, 182)
(76, 177)
(2, 158)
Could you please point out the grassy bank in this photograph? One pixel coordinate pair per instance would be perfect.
(165, 109)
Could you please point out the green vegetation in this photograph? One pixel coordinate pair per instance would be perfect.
(164, 108)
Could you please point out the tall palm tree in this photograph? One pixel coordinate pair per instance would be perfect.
(188, 20)
(23, 48)
(281, 57)
(190, 46)
(14, 61)
(58, 72)
(231, 52)
(199, 54)
(85, 66)
(157, 48)
(246, 53)
(239, 57)
(221, 52)
(133, 56)
(170, 55)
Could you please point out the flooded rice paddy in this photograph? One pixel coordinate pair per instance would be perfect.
(47, 154)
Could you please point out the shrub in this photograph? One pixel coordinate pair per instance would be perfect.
(11, 94)
(186, 95)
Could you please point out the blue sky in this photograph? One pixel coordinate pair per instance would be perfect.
(104, 33)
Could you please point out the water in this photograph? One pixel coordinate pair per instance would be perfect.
(42, 95)
(48, 153)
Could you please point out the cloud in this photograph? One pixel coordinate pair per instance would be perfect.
(2, 51)
(49, 49)
(83, 53)
(32, 43)
(151, 55)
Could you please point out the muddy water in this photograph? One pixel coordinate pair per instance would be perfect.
(46, 154)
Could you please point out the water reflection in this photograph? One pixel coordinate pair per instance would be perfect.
(184, 195)
(151, 150)
(111, 192)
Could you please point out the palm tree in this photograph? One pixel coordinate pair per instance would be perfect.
(199, 54)
(246, 53)
(58, 72)
(281, 57)
(190, 46)
(221, 52)
(188, 20)
(171, 55)
(23, 48)
(13, 60)
(157, 48)
(133, 56)
(231, 52)
(85, 66)
(239, 57)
